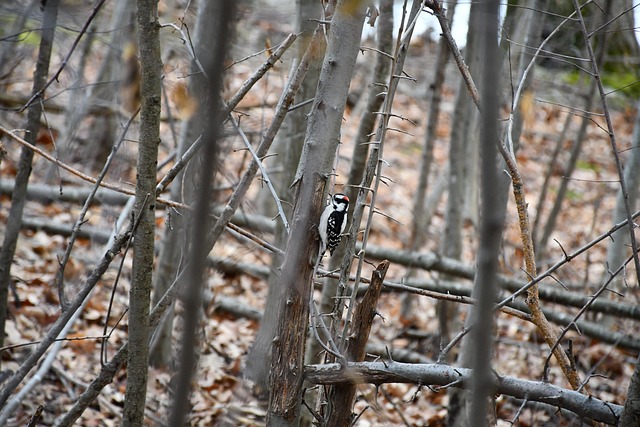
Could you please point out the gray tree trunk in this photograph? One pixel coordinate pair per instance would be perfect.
(289, 148)
(619, 243)
(524, 29)
(464, 117)
(221, 17)
(631, 412)
(576, 150)
(19, 195)
(462, 137)
(485, 289)
(420, 220)
(174, 242)
(360, 151)
(144, 211)
(316, 163)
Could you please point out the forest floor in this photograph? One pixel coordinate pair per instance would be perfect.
(227, 335)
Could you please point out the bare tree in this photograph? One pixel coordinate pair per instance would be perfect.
(316, 164)
(368, 118)
(144, 240)
(213, 67)
(184, 188)
(289, 147)
(492, 222)
(34, 111)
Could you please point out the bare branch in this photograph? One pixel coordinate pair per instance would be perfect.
(443, 375)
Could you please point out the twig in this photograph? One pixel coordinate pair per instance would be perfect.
(73, 171)
(603, 288)
(533, 298)
(516, 98)
(33, 421)
(395, 407)
(137, 218)
(266, 66)
(263, 171)
(316, 318)
(113, 187)
(62, 321)
(315, 45)
(81, 218)
(26, 344)
(519, 412)
(230, 106)
(435, 6)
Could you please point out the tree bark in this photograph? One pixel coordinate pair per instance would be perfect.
(316, 163)
(289, 148)
(631, 412)
(419, 225)
(360, 151)
(492, 223)
(145, 206)
(174, 241)
(341, 397)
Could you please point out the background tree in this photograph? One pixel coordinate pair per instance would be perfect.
(316, 164)
(19, 194)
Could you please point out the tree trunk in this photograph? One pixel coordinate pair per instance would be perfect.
(360, 151)
(620, 242)
(316, 163)
(464, 117)
(577, 148)
(222, 14)
(520, 23)
(19, 196)
(420, 220)
(631, 412)
(174, 241)
(340, 399)
(144, 213)
(485, 289)
(289, 147)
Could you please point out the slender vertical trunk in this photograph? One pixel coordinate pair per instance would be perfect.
(212, 60)
(492, 224)
(420, 220)
(174, 240)
(631, 412)
(19, 195)
(619, 242)
(144, 210)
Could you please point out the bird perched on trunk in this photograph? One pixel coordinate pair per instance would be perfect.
(332, 223)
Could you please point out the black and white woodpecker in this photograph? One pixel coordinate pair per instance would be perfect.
(332, 223)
